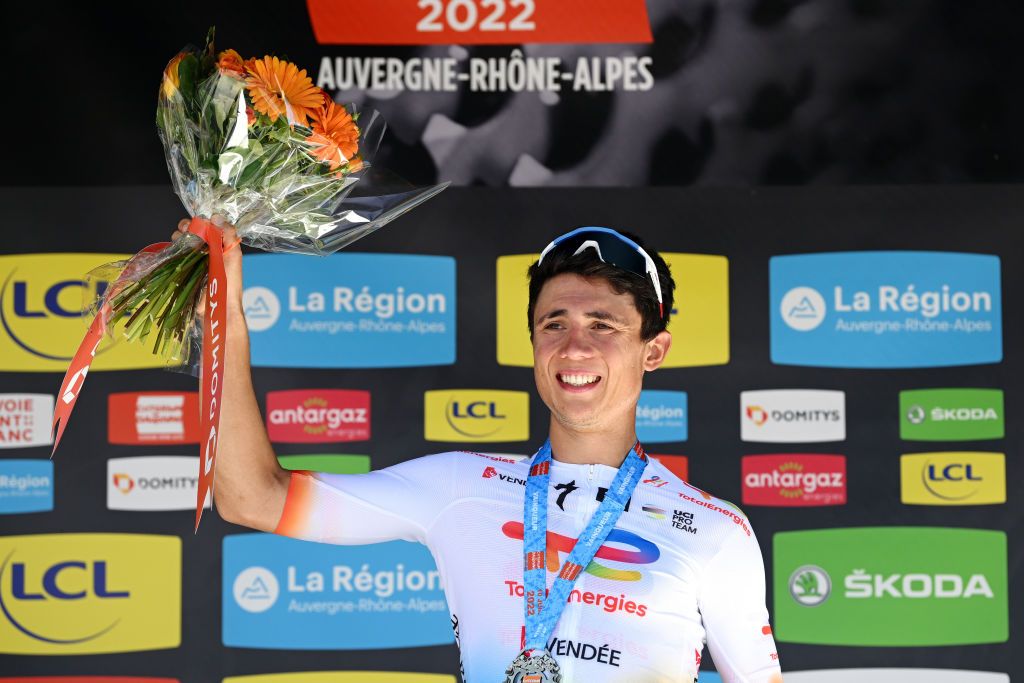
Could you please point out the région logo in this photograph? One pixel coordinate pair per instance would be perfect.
(803, 308)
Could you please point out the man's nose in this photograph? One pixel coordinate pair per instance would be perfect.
(577, 344)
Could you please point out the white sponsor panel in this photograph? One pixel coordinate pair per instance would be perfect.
(792, 416)
(895, 676)
(26, 420)
(156, 482)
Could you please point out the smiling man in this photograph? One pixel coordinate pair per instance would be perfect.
(589, 562)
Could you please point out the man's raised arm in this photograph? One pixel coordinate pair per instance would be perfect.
(250, 486)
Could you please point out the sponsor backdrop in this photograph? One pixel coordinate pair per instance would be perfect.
(846, 361)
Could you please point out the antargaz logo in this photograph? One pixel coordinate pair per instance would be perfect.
(797, 479)
(951, 414)
(701, 316)
(953, 478)
(318, 415)
(891, 586)
(476, 415)
(886, 309)
(43, 301)
(89, 593)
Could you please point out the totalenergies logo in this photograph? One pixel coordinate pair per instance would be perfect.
(89, 593)
(42, 311)
(643, 552)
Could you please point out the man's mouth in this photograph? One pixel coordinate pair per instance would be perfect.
(577, 380)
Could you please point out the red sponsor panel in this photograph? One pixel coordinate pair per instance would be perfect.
(794, 480)
(153, 417)
(479, 22)
(678, 465)
(318, 415)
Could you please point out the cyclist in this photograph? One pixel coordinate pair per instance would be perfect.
(587, 562)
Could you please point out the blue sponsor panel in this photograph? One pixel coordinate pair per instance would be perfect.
(287, 594)
(886, 309)
(661, 416)
(709, 677)
(26, 486)
(350, 310)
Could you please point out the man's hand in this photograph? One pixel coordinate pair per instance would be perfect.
(232, 262)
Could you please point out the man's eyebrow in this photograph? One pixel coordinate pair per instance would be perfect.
(596, 315)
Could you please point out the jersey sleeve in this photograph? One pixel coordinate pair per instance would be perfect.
(732, 606)
(395, 503)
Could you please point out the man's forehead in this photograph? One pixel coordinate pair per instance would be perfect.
(574, 294)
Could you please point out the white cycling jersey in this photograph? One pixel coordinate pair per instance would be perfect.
(681, 567)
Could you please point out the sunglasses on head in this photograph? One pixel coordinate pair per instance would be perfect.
(612, 248)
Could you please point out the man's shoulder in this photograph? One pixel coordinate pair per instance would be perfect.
(690, 498)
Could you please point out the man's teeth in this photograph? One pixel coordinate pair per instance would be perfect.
(579, 380)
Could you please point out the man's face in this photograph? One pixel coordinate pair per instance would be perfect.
(588, 357)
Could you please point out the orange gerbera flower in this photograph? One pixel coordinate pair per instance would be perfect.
(279, 88)
(335, 137)
(230, 62)
(170, 83)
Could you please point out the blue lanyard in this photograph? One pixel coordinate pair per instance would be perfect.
(542, 615)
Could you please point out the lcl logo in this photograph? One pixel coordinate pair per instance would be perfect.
(952, 472)
(51, 298)
(477, 410)
(51, 589)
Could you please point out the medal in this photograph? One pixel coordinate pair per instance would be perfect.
(542, 610)
(533, 667)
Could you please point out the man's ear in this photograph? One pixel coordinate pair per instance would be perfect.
(657, 349)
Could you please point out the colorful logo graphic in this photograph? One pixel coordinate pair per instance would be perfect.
(285, 594)
(350, 310)
(153, 482)
(318, 415)
(953, 478)
(43, 314)
(886, 309)
(642, 552)
(26, 486)
(476, 415)
(701, 314)
(893, 676)
(794, 480)
(951, 414)
(661, 416)
(342, 677)
(156, 417)
(792, 416)
(891, 586)
(89, 593)
(25, 420)
(329, 463)
(678, 465)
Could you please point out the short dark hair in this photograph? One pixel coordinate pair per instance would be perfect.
(588, 265)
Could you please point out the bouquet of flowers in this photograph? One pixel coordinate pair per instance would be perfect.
(257, 143)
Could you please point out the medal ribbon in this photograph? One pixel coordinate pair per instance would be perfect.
(542, 615)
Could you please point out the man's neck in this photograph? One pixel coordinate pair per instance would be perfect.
(606, 447)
